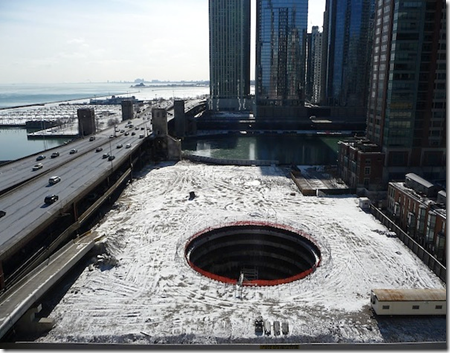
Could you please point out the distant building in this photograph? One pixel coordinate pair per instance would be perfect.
(127, 109)
(314, 66)
(419, 208)
(281, 27)
(347, 44)
(229, 54)
(86, 121)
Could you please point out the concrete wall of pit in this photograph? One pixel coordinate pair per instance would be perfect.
(256, 282)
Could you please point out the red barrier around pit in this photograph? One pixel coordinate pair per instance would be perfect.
(255, 282)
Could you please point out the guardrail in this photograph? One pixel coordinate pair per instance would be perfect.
(428, 259)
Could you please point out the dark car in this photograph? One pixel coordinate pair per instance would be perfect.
(2, 213)
(99, 149)
(73, 151)
(110, 158)
(51, 199)
(119, 146)
(40, 158)
(92, 138)
(105, 155)
(55, 154)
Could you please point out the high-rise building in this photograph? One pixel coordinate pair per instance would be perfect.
(314, 65)
(407, 100)
(406, 118)
(347, 47)
(281, 27)
(229, 54)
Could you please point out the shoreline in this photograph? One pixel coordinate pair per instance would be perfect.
(59, 101)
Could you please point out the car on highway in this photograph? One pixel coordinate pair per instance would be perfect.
(133, 133)
(127, 133)
(72, 151)
(136, 128)
(92, 138)
(141, 136)
(111, 136)
(110, 158)
(37, 166)
(2, 213)
(54, 179)
(49, 199)
(54, 155)
(99, 149)
(128, 145)
(41, 157)
(105, 155)
(119, 145)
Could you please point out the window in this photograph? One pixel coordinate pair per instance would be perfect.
(415, 307)
(386, 307)
(438, 307)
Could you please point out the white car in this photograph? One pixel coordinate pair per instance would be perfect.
(54, 179)
(38, 166)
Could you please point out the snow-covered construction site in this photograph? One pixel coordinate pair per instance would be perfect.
(149, 287)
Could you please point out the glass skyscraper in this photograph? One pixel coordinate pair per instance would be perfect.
(281, 27)
(229, 53)
(407, 100)
(348, 26)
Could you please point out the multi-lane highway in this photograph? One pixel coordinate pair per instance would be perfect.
(24, 204)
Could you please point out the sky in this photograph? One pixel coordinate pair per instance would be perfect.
(54, 41)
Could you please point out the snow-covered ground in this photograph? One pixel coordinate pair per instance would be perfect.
(143, 291)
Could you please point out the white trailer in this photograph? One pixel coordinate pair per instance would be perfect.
(425, 301)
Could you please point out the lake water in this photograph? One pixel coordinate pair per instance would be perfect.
(287, 149)
(14, 143)
(12, 95)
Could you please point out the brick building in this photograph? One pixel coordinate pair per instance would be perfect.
(419, 208)
(360, 164)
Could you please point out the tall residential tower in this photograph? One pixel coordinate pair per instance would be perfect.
(229, 54)
(406, 118)
(407, 100)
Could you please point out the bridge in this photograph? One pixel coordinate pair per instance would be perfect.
(33, 232)
(31, 229)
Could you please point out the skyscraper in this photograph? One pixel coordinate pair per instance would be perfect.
(406, 118)
(314, 65)
(229, 54)
(280, 55)
(407, 101)
(347, 48)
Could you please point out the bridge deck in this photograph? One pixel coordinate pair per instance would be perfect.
(15, 302)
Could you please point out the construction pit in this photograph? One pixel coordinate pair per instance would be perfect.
(253, 253)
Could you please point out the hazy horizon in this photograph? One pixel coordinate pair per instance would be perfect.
(117, 41)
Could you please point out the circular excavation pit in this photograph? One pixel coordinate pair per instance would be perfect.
(253, 253)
